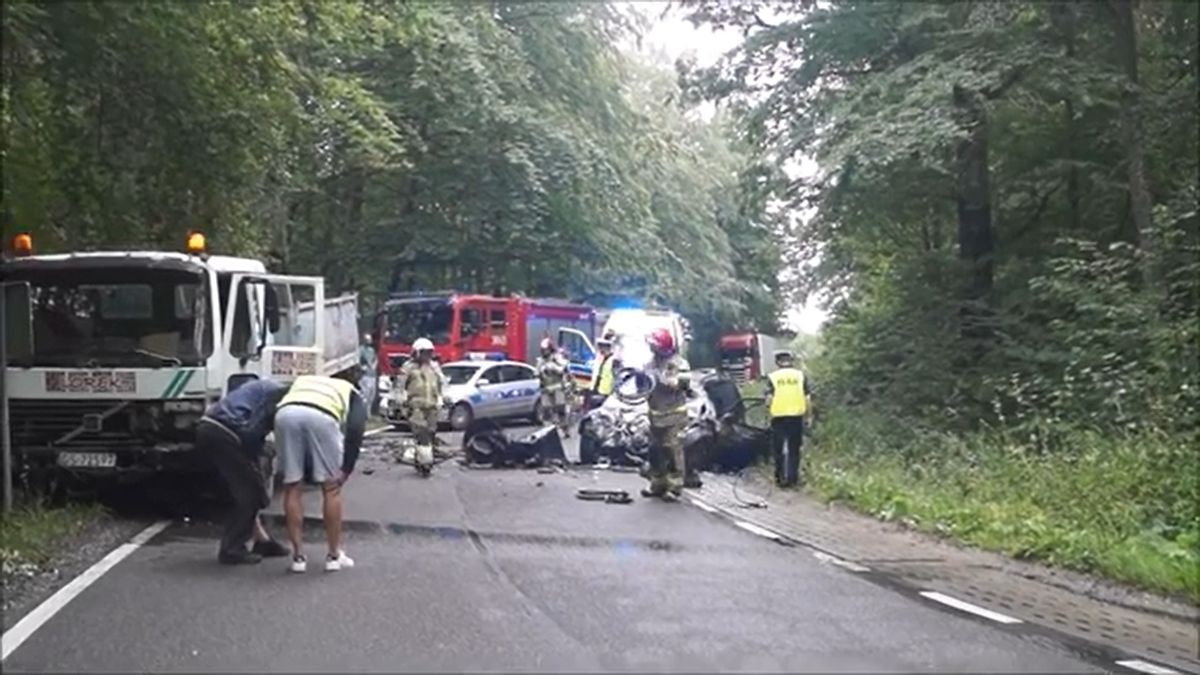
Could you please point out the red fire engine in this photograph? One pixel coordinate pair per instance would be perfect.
(463, 326)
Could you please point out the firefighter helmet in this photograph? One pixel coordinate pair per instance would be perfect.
(661, 342)
(422, 345)
(547, 345)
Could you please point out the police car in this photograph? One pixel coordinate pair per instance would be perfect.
(485, 389)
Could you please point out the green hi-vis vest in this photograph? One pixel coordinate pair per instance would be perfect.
(324, 393)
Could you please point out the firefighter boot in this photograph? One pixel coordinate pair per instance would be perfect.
(423, 460)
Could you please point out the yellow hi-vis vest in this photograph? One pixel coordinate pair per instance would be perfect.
(788, 399)
(324, 393)
(602, 378)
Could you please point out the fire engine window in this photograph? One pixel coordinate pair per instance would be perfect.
(472, 319)
(498, 322)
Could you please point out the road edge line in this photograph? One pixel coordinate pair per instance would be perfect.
(844, 564)
(1146, 667)
(758, 529)
(964, 606)
(29, 624)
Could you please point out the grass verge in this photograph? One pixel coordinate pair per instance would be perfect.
(1122, 507)
(31, 534)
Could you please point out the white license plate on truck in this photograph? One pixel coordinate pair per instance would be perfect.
(87, 460)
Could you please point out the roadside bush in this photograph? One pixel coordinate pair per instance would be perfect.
(1121, 505)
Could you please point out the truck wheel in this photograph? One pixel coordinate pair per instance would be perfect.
(461, 416)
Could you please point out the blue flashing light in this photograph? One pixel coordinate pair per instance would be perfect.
(626, 303)
(485, 356)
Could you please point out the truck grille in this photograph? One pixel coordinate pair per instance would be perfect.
(42, 423)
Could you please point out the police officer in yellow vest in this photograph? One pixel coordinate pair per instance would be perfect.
(788, 395)
(603, 375)
(320, 422)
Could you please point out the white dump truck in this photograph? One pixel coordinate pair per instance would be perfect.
(113, 356)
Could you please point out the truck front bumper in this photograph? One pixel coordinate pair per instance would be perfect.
(126, 461)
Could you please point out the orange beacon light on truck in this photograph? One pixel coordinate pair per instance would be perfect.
(195, 243)
(22, 244)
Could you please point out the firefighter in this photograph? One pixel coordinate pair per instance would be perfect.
(420, 387)
(603, 373)
(368, 362)
(554, 376)
(668, 417)
(788, 397)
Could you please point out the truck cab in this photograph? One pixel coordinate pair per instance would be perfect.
(463, 326)
(114, 356)
(746, 356)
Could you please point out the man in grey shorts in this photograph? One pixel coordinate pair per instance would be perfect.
(319, 423)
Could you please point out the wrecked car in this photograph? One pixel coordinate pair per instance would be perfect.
(717, 437)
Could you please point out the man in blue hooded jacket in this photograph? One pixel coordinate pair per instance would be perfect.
(233, 432)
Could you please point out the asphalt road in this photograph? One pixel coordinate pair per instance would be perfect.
(491, 570)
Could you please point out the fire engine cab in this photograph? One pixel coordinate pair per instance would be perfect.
(463, 326)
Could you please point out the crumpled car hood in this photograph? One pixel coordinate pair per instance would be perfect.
(617, 424)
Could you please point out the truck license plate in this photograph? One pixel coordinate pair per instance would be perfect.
(87, 460)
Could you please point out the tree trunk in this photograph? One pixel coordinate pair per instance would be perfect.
(1065, 18)
(1132, 137)
(975, 241)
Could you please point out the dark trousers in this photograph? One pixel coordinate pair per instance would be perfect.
(787, 438)
(244, 480)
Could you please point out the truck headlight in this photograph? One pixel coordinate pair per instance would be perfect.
(186, 406)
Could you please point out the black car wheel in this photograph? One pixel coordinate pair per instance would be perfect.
(461, 416)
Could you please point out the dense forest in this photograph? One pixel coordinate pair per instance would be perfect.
(1005, 224)
(475, 145)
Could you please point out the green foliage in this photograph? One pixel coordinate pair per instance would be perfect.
(1004, 149)
(1121, 505)
(32, 533)
(480, 146)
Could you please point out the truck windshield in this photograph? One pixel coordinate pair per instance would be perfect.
(407, 321)
(118, 317)
(734, 355)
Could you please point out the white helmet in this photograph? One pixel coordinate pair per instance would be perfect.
(422, 345)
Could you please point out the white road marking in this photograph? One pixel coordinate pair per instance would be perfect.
(705, 507)
(968, 607)
(34, 620)
(853, 567)
(755, 529)
(377, 430)
(1147, 667)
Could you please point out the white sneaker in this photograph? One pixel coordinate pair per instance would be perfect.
(299, 564)
(341, 562)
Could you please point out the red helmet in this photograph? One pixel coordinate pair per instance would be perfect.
(661, 342)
